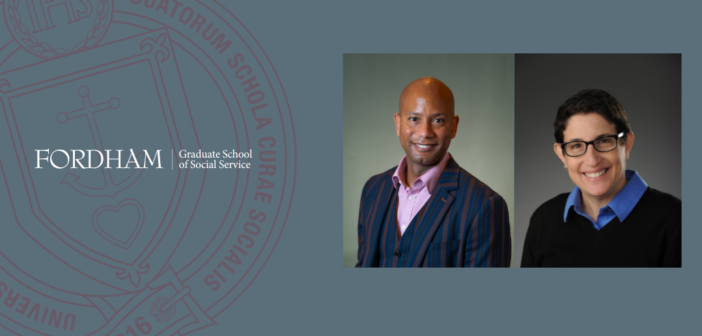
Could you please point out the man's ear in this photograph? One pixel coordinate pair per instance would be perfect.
(559, 152)
(397, 123)
(455, 126)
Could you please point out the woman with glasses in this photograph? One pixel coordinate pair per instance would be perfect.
(612, 218)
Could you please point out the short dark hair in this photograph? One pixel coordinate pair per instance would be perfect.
(592, 101)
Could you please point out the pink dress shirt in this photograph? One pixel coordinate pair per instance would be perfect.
(412, 199)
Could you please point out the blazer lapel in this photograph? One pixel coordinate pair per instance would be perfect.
(431, 215)
(376, 217)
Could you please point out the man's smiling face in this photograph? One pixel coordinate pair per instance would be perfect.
(426, 122)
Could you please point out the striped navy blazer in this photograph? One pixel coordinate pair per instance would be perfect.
(463, 224)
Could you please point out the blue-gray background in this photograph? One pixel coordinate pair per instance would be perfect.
(303, 288)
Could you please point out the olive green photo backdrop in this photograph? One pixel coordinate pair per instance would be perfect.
(483, 88)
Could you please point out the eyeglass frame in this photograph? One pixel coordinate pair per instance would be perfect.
(616, 143)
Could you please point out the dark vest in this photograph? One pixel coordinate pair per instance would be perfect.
(394, 250)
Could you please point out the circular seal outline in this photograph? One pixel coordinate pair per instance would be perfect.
(33, 45)
(294, 148)
(280, 112)
(276, 82)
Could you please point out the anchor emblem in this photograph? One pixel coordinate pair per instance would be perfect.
(110, 188)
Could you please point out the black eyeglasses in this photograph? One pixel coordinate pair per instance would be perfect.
(602, 144)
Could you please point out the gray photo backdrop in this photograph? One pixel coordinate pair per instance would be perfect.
(482, 86)
(649, 88)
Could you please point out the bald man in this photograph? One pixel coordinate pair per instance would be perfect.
(428, 211)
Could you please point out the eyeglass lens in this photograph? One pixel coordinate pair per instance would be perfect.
(604, 144)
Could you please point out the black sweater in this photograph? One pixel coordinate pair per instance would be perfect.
(648, 237)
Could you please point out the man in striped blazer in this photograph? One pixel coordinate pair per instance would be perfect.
(428, 211)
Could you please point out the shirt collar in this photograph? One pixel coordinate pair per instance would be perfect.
(430, 178)
(622, 204)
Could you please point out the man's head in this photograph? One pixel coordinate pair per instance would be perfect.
(426, 122)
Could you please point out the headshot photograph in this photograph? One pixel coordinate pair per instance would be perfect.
(598, 160)
(428, 156)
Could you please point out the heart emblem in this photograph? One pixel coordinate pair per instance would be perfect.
(120, 225)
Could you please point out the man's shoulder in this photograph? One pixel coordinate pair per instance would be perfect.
(384, 175)
(468, 183)
(379, 180)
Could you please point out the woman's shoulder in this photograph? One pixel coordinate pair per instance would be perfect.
(550, 211)
(654, 201)
(557, 203)
(545, 219)
(660, 197)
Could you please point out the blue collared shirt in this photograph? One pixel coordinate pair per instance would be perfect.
(620, 206)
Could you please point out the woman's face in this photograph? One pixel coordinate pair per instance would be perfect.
(600, 176)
